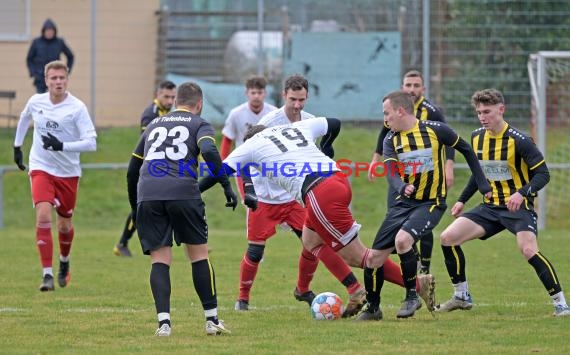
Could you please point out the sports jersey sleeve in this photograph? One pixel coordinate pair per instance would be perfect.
(538, 171)
(330, 136)
(147, 116)
(23, 126)
(319, 126)
(133, 172)
(448, 137)
(205, 131)
(240, 157)
(435, 114)
(469, 190)
(87, 133)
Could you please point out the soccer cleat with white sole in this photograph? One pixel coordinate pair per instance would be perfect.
(216, 329)
(409, 307)
(455, 303)
(163, 331)
(47, 283)
(366, 314)
(561, 311)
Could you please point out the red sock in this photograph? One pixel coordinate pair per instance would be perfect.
(307, 266)
(65, 240)
(247, 272)
(393, 273)
(44, 243)
(334, 263)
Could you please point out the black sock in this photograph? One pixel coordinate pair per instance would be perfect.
(160, 286)
(373, 282)
(349, 280)
(409, 265)
(128, 230)
(205, 283)
(455, 263)
(426, 248)
(546, 273)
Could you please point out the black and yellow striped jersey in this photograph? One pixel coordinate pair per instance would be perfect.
(420, 150)
(151, 112)
(508, 160)
(424, 111)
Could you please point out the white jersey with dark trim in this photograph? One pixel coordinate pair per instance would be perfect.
(266, 190)
(68, 120)
(285, 155)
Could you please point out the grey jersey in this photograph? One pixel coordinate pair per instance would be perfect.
(169, 147)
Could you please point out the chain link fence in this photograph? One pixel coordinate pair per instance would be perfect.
(471, 44)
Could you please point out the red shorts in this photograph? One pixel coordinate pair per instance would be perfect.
(59, 191)
(328, 212)
(261, 222)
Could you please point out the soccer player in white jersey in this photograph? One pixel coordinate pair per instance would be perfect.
(244, 116)
(62, 129)
(287, 156)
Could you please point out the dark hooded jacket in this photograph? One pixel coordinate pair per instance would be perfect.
(43, 51)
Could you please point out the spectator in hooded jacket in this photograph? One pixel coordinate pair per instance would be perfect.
(44, 49)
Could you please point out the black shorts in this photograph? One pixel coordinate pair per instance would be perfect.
(496, 219)
(416, 218)
(159, 222)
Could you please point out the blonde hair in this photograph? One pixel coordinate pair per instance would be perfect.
(56, 64)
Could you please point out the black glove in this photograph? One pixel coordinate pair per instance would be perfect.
(250, 198)
(51, 141)
(231, 198)
(19, 158)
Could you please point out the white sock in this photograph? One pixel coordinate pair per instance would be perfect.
(64, 259)
(558, 299)
(48, 271)
(211, 312)
(461, 290)
(163, 316)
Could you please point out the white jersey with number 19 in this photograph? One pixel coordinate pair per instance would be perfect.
(285, 154)
(268, 191)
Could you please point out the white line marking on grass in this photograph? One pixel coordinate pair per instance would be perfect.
(105, 310)
(12, 310)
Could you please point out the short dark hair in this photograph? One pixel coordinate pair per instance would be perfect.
(400, 99)
(487, 97)
(296, 82)
(255, 82)
(188, 94)
(414, 74)
(253, 130)
(166, 84)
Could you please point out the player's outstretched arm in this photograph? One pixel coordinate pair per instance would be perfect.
(465, 149)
